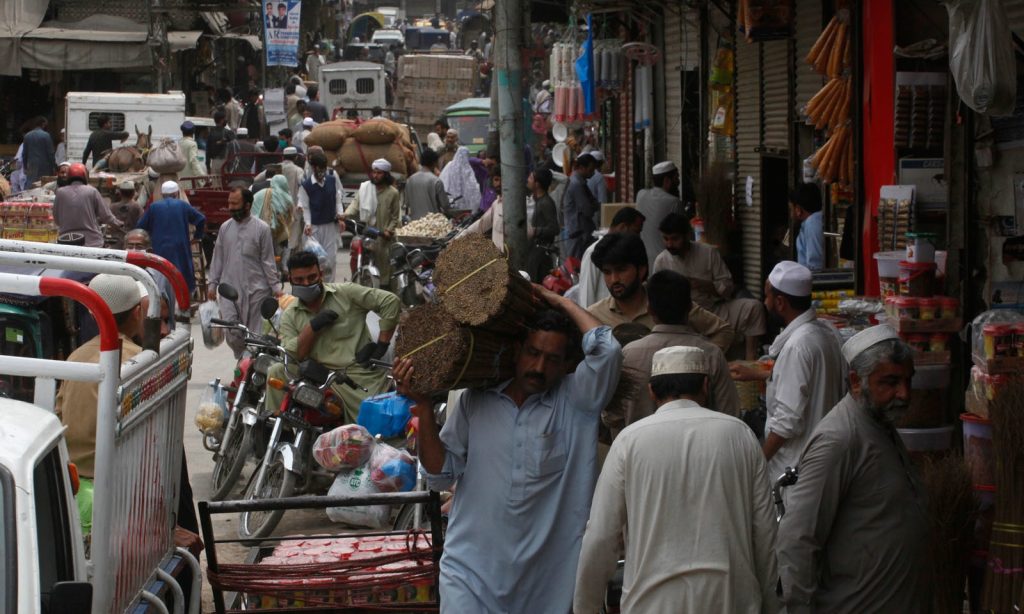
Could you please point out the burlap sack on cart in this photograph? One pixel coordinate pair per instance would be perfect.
(166, 157)
(330, 135)
(357, 158)
(378, 132)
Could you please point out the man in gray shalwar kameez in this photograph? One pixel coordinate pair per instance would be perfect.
(854, 536)
(244, 258)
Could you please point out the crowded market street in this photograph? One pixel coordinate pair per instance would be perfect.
(495, 306)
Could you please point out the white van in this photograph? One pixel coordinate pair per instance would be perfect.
(351, 85)
(164, 113)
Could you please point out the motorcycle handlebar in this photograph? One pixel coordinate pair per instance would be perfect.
(221, 322)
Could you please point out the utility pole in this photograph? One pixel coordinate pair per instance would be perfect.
(508, 36)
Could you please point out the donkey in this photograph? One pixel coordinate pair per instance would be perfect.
(131, 157)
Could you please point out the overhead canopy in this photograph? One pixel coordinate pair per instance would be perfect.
(98, 41)
(17, 17)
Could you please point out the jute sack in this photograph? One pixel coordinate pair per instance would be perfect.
(357, 158)
(166, 157)
(378, 132)
(330, 135)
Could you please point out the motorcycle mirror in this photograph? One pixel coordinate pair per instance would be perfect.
(268, 307)
(227, 291)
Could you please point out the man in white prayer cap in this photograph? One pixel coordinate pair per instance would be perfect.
(167, 221)
(688, 491)
(853, 538)
(657, 202)
(379, 204)
(299, 140)
(809, 376)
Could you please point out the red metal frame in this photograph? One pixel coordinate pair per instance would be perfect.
(879, 110)
(152, 261)
(56, 286)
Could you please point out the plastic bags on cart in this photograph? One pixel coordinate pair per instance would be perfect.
(213, 409)
(346, 447)
(391, 469)
(357, 483)
(166, 157)
(312, 245)
(981, 55)
(212, 337)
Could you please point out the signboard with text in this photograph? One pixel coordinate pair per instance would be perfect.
(281, 32)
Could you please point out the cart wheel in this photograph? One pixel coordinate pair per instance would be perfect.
(234, 450)
(270, 482)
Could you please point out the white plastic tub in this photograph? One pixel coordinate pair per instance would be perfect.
(889, 263)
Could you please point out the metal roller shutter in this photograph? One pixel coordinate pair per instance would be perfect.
(775, 80)
(748, 159)
(682, 52)
(808, 28)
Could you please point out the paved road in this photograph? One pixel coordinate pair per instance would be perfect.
(207, 365)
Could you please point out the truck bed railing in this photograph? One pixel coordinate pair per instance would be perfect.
(140, 422)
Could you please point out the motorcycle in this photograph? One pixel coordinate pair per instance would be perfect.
(308, 409)
(240, 431)
(361, 265)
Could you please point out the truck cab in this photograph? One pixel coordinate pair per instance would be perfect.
(43, 566)
(349, 85)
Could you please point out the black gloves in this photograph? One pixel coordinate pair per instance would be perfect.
(322, 320)
(371, 351)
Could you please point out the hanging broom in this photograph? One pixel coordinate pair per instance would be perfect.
(952, 511)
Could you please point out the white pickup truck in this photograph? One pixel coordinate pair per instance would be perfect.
(133, 564)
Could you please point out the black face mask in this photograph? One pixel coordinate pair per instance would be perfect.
(308, 294)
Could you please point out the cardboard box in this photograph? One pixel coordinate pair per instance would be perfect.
(608, 211)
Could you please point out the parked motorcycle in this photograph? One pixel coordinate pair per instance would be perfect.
(361, 265)
(308, 409)
(240, 431)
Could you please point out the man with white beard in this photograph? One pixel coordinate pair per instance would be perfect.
(853, 538)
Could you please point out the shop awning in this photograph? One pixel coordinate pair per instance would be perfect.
(17, 18)
(183, 41)
(98, 41)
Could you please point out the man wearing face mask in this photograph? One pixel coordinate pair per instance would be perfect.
(808, 378)
(328, 324)
(244, 258)
(853, 538)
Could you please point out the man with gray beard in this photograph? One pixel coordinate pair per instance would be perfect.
(853, 538)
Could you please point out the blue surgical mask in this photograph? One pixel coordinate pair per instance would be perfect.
(282, 143)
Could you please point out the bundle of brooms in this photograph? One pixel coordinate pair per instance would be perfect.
(467, 340)
(1004, 576)
(952, 511)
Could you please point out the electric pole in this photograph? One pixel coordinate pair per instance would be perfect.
(508, 36)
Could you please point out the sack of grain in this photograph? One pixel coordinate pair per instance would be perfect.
(377, 132)
(166, 157)
(330, 135)
(357, 158)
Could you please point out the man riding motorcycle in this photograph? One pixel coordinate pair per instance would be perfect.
(328, 324)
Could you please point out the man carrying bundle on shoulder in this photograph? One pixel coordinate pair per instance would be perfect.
(524, 456)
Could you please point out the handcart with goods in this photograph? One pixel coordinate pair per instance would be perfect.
(353, 571)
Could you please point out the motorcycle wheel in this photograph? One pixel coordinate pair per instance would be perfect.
(365, 278)
(272, 482)
(231, 460)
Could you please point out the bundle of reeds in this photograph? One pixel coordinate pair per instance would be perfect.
(478, 287)
(952, 511)
(447, 355)
(1004, 576)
